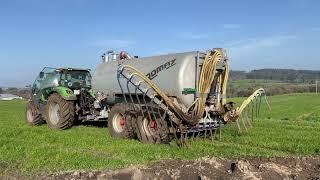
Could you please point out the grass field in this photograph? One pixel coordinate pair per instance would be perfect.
(292, 128)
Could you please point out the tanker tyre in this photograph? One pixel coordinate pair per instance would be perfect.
(149, 134)
(32, 114)
(60, 113)
(120, 121)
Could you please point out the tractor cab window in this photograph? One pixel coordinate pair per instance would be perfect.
(76, 79)
(48, 77)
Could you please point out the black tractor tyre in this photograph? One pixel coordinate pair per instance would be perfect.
(148, 135)
(32, 114)
(60, 113)
(120, 121)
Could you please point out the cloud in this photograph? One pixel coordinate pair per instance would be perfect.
(231, 26)
(315, 29)
(193, 36)
(258, 43)
(113, 43)
(260, 52)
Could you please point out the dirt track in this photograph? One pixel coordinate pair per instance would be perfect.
(206, 168)
(209, 168)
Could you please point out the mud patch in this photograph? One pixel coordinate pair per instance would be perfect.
(209, 168)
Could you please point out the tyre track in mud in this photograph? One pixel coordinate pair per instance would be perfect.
(208, 168)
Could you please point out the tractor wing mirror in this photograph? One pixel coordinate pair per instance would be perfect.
(41, 75)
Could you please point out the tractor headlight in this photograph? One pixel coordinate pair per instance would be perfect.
(69, 91)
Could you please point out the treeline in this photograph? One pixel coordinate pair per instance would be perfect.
(271, 89)
(284, 75)
(22, 92)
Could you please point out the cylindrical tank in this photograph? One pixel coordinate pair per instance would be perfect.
(173, 73)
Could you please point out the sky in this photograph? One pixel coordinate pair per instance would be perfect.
(75, 33)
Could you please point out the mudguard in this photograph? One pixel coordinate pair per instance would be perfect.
(65, 93)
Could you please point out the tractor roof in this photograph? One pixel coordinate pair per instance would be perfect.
(69, 69)
(72, 69)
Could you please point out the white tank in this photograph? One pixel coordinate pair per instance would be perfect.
(173, 73)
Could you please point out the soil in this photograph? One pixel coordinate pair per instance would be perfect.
(208, 168)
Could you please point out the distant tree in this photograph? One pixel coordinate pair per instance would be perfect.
(12, 91)
(1, 91)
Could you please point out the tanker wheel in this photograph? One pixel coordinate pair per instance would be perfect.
(120, 121)
(60, 112)
(33, 116)
(150, 130)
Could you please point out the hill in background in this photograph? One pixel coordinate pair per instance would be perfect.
(274, 81)
(285, 75)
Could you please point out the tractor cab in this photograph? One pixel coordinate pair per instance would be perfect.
(68, 81)
(66, 77)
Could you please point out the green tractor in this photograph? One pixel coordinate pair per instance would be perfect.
(61, 96)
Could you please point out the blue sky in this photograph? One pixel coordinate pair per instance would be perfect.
(257, 34)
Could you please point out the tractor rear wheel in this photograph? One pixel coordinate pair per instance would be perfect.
(60, 112)
(33, 116)
(120, 121)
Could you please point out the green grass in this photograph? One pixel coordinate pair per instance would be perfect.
(292, 128)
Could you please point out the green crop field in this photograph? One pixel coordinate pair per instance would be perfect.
(292, 128)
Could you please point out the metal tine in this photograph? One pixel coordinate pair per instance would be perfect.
(244, 124)
(260, 97)
(185, 140)
(181, 136)
(175, 132)
(252, 109)
(192, 137)
(220, 129)
(138, 99)
(204, 127)
(247, 119)
(266, 98)
(215, 130)
(130, 80)
(118, 78)
(178, 140)
(238, 125)
(256, 106)
(198, 135)
(171, 122)
(210, 130)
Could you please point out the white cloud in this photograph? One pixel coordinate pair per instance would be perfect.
(260, 52)
(315, 29)
(257, 43)
(231, 26)
(194, 36)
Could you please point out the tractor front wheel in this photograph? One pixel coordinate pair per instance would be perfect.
(60, 112)
(33, 116)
